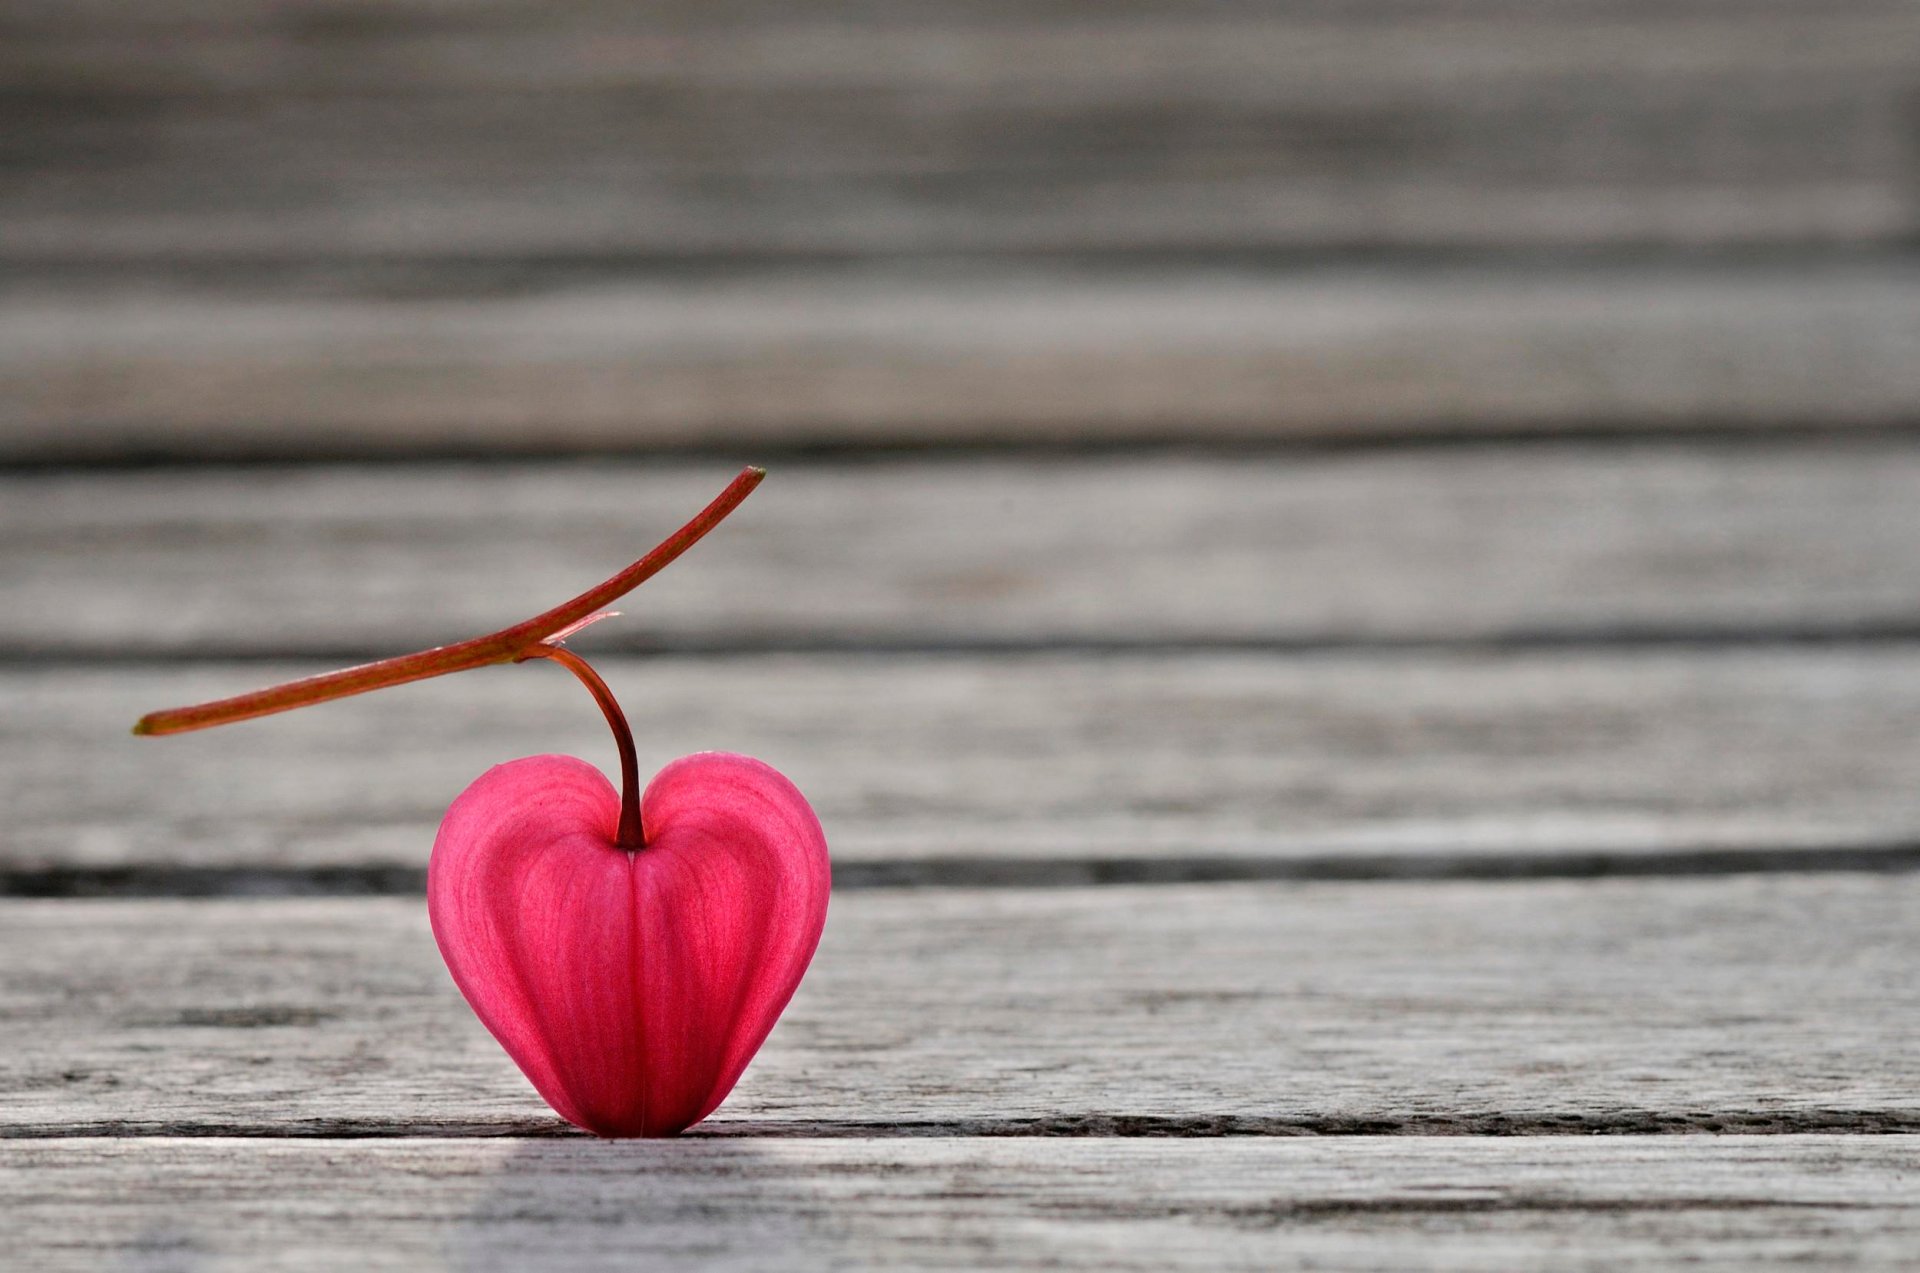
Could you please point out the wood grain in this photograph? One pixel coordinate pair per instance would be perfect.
(322, 365)
(1471, 544)
(1425, 763)
(319, 18)
(1728, 1203)
(198, 131)
(1747, 1003)
(313, 231)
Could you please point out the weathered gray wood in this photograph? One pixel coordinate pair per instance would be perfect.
(1558, 757)
(1466, 544)
(320, 20)
(274, 369)
(501, 129)
(1747, 1003)
(1731, 1203)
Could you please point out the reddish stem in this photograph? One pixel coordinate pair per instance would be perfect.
(505, 646)
(631, 834)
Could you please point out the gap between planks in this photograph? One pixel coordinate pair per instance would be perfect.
(803, 453)
(1488, 1124)
(159, 881)
(239, 651)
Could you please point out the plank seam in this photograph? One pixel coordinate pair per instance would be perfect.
(135, 881)
(734, 645)
(964, 446)
(1488, 1124)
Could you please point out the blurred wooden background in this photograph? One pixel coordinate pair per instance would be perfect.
(324, 228)
(1341, 573)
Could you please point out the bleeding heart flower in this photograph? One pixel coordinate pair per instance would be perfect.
(631, 986)
(630, 953)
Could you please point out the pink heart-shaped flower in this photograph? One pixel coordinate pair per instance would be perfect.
(632, 988)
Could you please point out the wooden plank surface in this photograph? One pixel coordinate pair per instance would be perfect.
(1392, 763)
(1467, 544)
(319, 18)
(198, 131)
(479, 229)
(1779, 1003)
(395, 363)
(1732, 1203)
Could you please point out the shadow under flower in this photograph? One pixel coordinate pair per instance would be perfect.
(583, 1204)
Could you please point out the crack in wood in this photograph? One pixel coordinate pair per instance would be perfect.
(1178, 442)
(751, 645)
(1288, 1212)
(1491, 1124)
(163, 880)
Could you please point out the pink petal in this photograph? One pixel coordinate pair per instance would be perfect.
(631, 988)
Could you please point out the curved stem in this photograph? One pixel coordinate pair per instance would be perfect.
(631, 834)
(505, 646)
